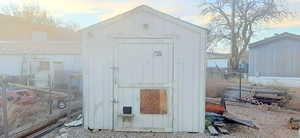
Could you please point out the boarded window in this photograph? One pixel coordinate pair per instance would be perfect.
(44, 66)
(153, 101)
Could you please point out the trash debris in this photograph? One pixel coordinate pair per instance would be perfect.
(214, 121)
(20, 97)
(257, 95)
(223, 131)
(212, 130)
(61, 104)
(215, 108)
(294, 123)
(242, 122)
(214, 117)
(77, 122)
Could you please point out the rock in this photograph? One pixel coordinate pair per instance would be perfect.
(62, 130)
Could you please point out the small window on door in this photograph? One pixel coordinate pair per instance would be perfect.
(153, 101)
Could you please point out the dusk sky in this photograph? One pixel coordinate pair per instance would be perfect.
(88, 12)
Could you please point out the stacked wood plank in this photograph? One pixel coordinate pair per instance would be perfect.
(257, 95)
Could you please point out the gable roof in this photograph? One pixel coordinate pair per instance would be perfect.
(273, 38)
(153, 11)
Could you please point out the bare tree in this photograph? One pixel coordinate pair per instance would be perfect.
(34, 14)
(236, 21)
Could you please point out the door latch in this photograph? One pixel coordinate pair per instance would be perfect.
(114, 68)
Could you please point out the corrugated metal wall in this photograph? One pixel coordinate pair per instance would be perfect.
(189, 70)
(279, 58)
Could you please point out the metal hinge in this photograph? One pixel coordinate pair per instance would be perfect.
(115, 101)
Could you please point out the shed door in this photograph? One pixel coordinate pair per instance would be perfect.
(143, 100)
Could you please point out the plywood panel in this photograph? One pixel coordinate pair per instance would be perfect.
(153, 101)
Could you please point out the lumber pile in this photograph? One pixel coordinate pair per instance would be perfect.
(257, 95)
(216, 123)
(217, 118)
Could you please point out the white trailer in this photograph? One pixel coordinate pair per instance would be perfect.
(144, 71)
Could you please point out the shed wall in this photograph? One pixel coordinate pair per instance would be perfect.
(189, 70)
(279, 58)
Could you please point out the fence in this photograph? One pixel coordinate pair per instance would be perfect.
(25, 106)
(215, 73)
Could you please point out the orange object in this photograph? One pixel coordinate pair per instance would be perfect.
(215, 108)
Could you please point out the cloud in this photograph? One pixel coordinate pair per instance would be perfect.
(171, 10)
(63, 7)
(103, 8)
(87, 6)
(200, 19)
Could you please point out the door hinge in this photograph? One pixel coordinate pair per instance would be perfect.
(115, 101)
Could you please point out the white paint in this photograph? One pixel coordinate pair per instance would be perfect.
(284, 81)
(152, 68)
(220, 63)
(100, 70)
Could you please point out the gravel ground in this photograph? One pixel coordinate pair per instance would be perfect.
(272, 123)
(81, 133)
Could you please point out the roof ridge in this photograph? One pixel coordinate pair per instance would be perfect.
(274, 37)
(146, 7)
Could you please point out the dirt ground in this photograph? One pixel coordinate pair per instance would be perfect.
(271, 121)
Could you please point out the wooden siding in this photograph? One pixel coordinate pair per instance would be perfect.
(279, 58)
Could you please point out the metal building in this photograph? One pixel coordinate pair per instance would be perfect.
(144, 71)
(275, 60)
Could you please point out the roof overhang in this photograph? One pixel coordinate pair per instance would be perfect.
(273, 38)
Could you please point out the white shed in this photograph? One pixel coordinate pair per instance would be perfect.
(144, 71)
